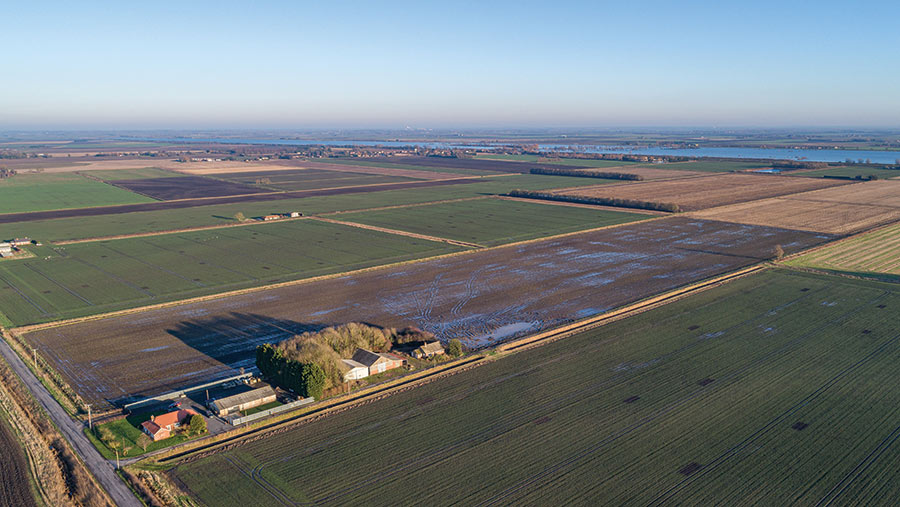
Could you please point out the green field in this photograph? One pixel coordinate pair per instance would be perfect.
(167, 220)
(96, 277)
(713, 166)
(132, 174)
(775, 389)
(504, 156)
(48, 191)
(874, 254)
(491, 222)
(307, 179)
(851, 172)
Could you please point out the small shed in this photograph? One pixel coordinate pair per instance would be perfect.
(243, 401)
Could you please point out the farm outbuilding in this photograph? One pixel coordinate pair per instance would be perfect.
(354, 370)
(429, 349)
(243, 401)
(6, 249)
(377, 362)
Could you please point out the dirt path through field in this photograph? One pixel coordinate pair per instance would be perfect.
(399, 232)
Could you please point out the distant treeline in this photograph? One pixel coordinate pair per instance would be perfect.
(602, 201)
(796, 164)
(587, 174)
(861, 177)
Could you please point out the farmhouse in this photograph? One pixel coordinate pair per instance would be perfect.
(377, 363)
(293, 214)
(353, 370)
(163, 426)
(243, 401)
(430, 349)
(17, 242)
(268, 218)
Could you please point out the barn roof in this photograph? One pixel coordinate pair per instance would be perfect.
(245, 397)
(367, 358)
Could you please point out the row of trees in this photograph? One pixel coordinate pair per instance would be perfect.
(587, 174)
(305, 379)
(310, 363)
(602, 201)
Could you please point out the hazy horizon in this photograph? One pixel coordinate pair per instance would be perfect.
(347, 65)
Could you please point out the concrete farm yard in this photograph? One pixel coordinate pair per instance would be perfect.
(774, 372)
(464, 296)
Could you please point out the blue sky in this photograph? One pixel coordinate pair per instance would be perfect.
(299, 64)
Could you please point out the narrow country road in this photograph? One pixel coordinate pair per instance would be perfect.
(72, 430)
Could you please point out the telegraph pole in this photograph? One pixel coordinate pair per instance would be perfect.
(117, 459)
(34, 353)
(90, 423)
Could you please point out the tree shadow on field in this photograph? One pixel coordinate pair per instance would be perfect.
(232, 339)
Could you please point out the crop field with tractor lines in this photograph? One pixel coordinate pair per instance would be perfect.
(95, 277)
(465, 296)
(491, 222)
(775, 388)
(873, 253)
(302, 179)
(45, 191)
(111, 223)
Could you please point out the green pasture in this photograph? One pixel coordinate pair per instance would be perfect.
(60, 229)
(48, 191)
(308, 179)
(491, 222)
(96, 277)
(774, 389)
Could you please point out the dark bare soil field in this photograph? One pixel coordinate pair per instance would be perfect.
(482, 298)
(479, 164)
(15, 489)
(163, 205)
(187, 187)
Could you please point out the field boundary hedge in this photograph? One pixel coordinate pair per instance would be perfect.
(583, 173)
(602, 201)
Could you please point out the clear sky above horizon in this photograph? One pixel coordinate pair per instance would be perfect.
(298, 64)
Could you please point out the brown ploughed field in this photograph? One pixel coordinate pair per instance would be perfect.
(15, 490)
(187, 187)
(839, 210)
(707, 191)
(112, 360)
(649, 173)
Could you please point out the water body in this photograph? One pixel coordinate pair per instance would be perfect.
(878, 157)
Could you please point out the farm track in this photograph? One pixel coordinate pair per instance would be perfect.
(399, 232)
(190, 203)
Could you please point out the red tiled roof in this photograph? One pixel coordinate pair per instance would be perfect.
(165, 420)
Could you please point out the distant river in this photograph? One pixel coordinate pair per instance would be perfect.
(879, 157)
